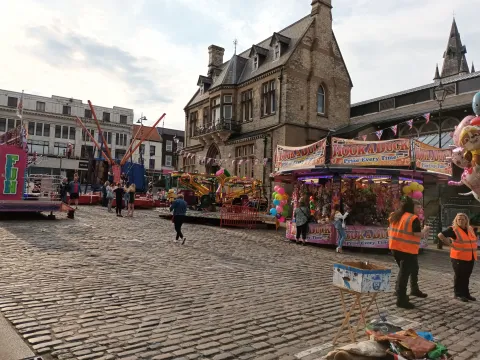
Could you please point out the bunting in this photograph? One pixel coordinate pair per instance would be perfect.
(410, 123)
(394, 129)
(427, 117)
(379, 134)
(364, 137)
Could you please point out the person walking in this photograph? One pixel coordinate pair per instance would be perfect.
(119, 193)
(405, 233)
(109, 190)
(463, 253)
(339, 224)
(179, 208)
(74, 190)
(64, 190)
(301, 221)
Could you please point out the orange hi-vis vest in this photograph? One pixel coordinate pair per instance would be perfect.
(464, 245)
(401, 235)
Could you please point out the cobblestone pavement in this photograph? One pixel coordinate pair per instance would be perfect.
(101, 287)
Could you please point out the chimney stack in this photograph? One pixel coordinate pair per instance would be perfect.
(316, 4)
(215, 59)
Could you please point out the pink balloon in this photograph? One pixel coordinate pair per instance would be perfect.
(281, 191)
(283, 202)
(279, 209)
(417, 195)
(282, 219)
(276, 188)
(458, 130)
(458, 159)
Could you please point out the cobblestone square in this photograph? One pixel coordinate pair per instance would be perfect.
(102, 287)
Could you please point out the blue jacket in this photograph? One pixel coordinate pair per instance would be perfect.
(179, 207)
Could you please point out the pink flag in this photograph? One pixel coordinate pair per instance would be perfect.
(240, 162)
(265, 161)
(364, 137)
(257, 161)
(410, 123)
(394, 129)
(379, 134)
(427, 117)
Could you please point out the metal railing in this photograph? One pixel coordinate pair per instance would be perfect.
(220, 125)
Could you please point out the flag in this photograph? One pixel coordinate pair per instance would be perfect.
(379, 134)
(427, 117)
(233, 162)
(410, 123)
(20, 107)
(265, 161)
(257, 161)
(394, 129)
(240, 162)
(364, 137)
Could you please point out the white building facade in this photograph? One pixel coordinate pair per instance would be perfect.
(53, 130)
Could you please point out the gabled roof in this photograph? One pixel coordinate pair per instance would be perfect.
(258, 50)
(280, 38)
(139, 131)
(453, 65)
(203, 80)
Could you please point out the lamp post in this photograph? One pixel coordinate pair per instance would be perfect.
(140, 121)
(175, 154)
(440, 95)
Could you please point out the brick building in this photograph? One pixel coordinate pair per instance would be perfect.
(173, 142)
(288, 89)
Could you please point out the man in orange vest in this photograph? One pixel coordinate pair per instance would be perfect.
(405, 232)
(463, 253)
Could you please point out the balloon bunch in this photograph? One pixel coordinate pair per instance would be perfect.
(414, 190)
(466, 138)
(280, 201)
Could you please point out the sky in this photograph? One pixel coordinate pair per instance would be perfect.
(147, 55)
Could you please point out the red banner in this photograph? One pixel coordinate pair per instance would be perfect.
(13, 162)
(371, 153)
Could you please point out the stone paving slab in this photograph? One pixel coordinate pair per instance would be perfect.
(102, 287)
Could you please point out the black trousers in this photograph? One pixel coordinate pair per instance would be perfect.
(118, 207)
(302, 231)
(408, 264)
(178, 222)
(462, 269)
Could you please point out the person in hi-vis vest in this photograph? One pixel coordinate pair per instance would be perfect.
(405, 232)
(463, 253)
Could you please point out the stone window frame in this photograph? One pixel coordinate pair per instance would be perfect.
(268, 96)
(193, 123)
(216, 109)
(245, 152)
(40, 106)
(256, 61)
(322, 88)
(277, 51)
(227, 104)
(247, 105)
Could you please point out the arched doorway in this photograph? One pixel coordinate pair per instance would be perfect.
(213, 153)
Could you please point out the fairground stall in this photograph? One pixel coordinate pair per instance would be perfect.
(367, 179)
(20, 192)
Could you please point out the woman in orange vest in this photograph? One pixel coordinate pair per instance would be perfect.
(405, 232)
(463, 253)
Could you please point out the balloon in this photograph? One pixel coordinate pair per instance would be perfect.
(417, 195)
(475, 121)
(458, 130)
(276, 202)
(274, 195)
(285, 197)
(407, 190)
(286, 207)
(279, 209)
(276, 188)
(283, 203)
(414, 186)
(421, 188)
(458, 158)
(285, 212)
(273, 212)
(311, 198)
(278, 197)
(476, 104)
(281, 191)
(282, 219)
(278, 216)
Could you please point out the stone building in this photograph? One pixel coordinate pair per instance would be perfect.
(290, 89)
(52, 128)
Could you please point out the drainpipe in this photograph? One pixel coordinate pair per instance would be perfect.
(280, 96)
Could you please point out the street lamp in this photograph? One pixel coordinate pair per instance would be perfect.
(175, 152)
(440, 95)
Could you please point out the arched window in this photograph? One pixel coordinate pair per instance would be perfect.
(321, 100)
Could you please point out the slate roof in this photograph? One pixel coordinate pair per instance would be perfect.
(172, 132)
(445, 81)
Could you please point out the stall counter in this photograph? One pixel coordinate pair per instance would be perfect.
(357, 236)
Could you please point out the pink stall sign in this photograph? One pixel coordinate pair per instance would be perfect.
(13, 162)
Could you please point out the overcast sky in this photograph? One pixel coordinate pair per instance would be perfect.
(147, 55)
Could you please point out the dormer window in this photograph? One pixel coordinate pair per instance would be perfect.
(255, 62)
(276, 53)
(201, 89)
(258, 55)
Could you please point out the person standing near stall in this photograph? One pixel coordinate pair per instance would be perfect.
(405, 233)
(463, 253)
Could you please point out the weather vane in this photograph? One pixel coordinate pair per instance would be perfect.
(235, 42)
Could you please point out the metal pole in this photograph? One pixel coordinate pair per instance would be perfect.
(439, 225)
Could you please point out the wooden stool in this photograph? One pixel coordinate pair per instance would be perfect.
(357, 303)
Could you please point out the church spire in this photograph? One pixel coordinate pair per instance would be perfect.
(454, 60)
(437, 74)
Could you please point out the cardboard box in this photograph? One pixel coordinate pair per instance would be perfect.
(362, 277)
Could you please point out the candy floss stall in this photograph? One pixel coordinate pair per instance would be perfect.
(367, 179)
